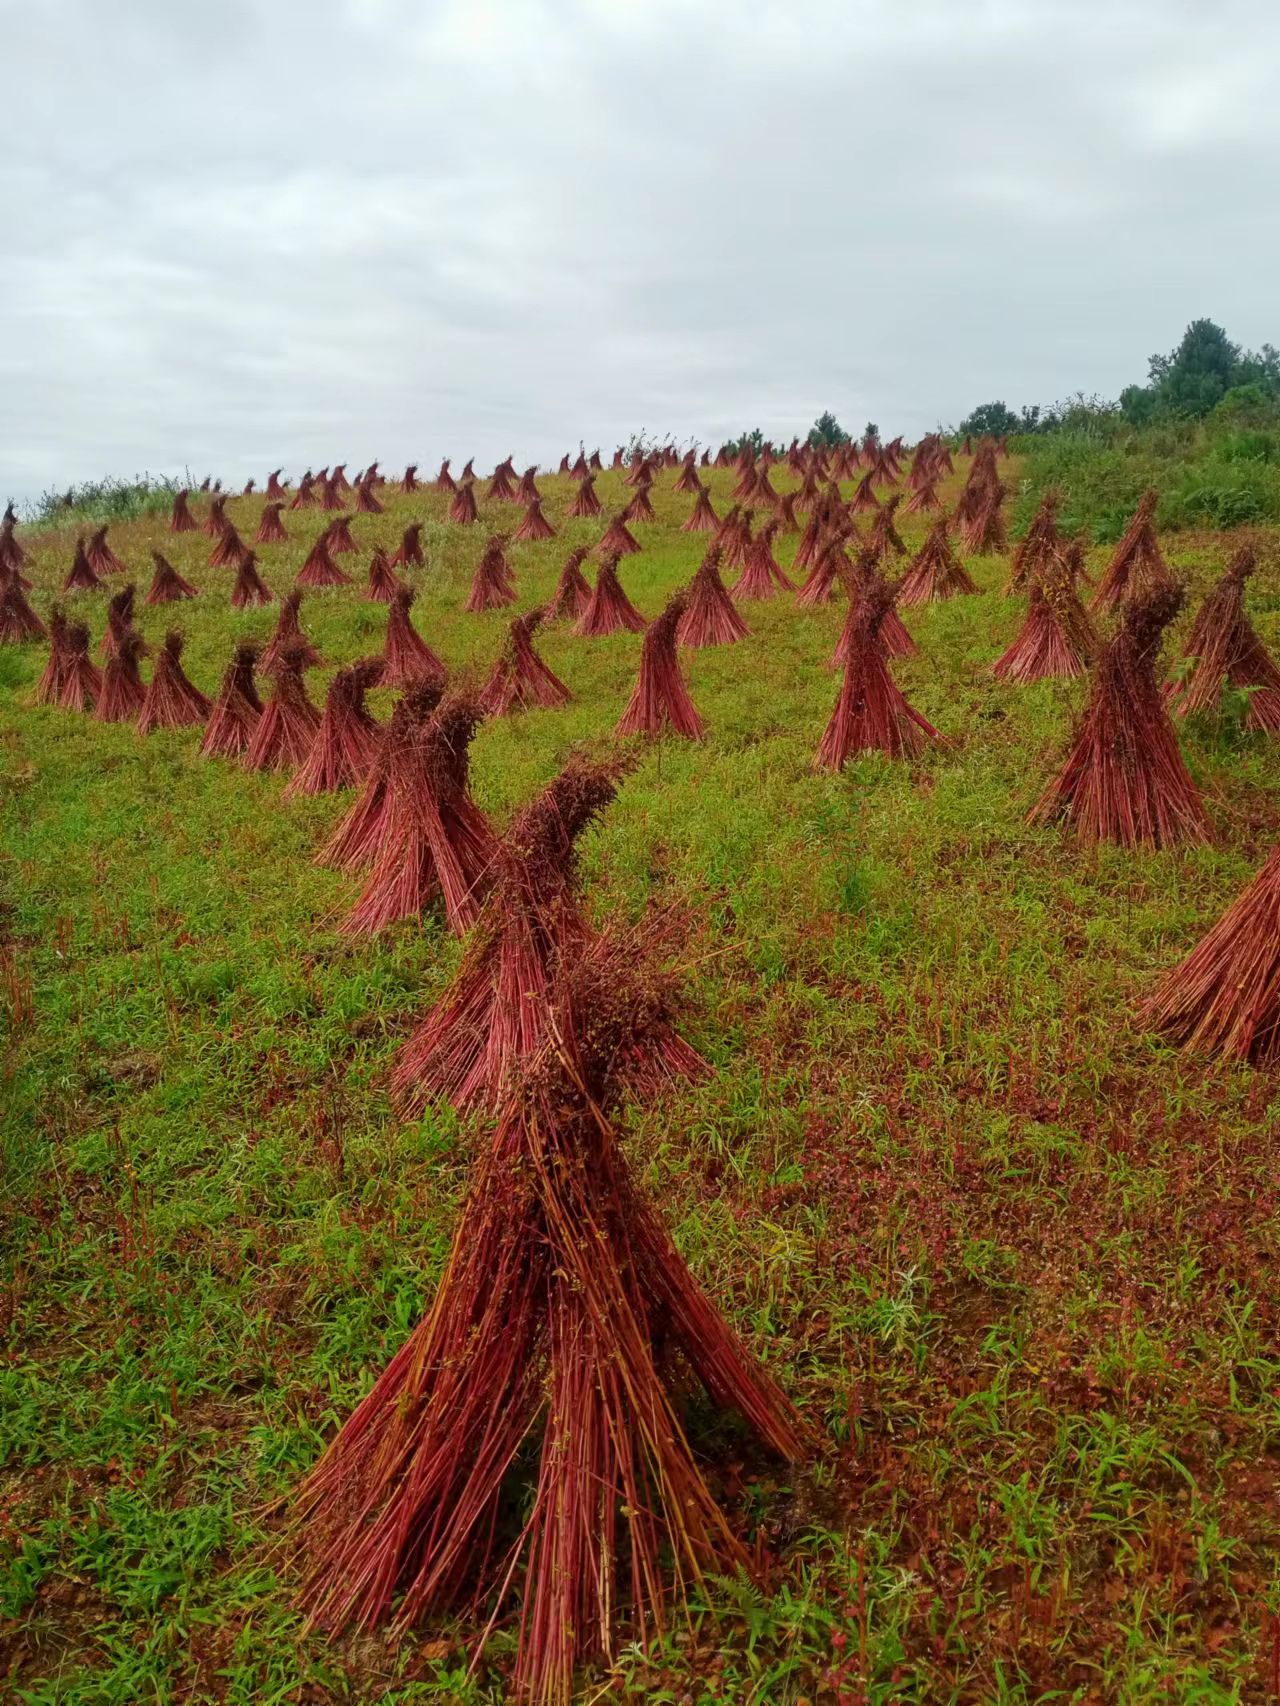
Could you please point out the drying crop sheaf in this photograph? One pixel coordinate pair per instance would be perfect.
(1223, 647)
(660, 700)
(284, 732)
(871, 712)
(406, 656)
(346, 742)
(710, 618)
(521, 680)
(234, 714)
(171, 701)
(1137, 565)
(167, 585)
(609, 608)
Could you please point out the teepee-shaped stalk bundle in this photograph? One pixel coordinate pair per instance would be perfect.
(119, 620)
(406, 656)
(985, 532)
(495, 1017)
(409, 554)
(340, 540)
(1224, 998)
(284, 732)
(830, 566)
(1136, 565)
(762, 577)
(383, 582)
(48, 689)
(492, 587)
(319, 569)
(609, 608)
(864, 500)
(288, 637)
(702, 517)
(445, 481)
(616, 541)
(410, 481)
(78, 679)
(1224, 647)
(871, 712)
(181, 519)
(229, 550)
(520, 680)
(1124, 779)
(436, 843)
(167, 585)
(359, 835)
(102, 559)
(18, 621)
(710, 618)
(502, 486)
(275, 491)
(171, 700)
(687, 480)
(121, 693)
(250, 589)
(215, 523)
(584, 501)
(1057, 639)
(533, 524)
(923, 500)
(463, 508)
(346, 742)
(1038, 547)
(305, 496)
(366, 502)
(660, 700)
(734, 542)
(884, 536)
(527, 491)
(270, 527)
(936, 572)
(640, 508)
(235, 712)
(560, 1304)
(573, 590)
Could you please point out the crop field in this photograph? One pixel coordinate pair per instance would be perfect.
(1014, 1259)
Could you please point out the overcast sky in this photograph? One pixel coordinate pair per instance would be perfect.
(257, 232)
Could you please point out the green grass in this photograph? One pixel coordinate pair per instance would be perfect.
(1016, 1260)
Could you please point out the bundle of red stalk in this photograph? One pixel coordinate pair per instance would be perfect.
(687, 480)
(319, 569)
(347, 740)
(520, 680)
(830, 566)
(1136, 565)
(121, 692)
(585, 502)
(923, 500)
(102, 559)
(762, 577)
(340, 541)
(660, 700)
(573, 591)
(702, 517)
(410, 481)
(710, 618)
(985, 532)
(1057, 639)
(358, 836)
(824, 519)
(250, 589)
(383, 583)
(640, 508)
(48, 689)
(289, 637)
(119, 620)
(274, 489)
(561, 1303)
(746, 482)
(284, 732)
(936, 572)
(80, 576)
(73, 681)
(501, 487)
(167, 585)
(609, 609)
(734, 543)
(406, 656)
(18, 621)
(171, 701)
(492, 1019)
(181, 519)
(270, 527)
(445, 481)
(366, 502)
(1225, 648)
(616, 541)
(527, 491)
(215, 523)
(492, 587)
(1124, 779)
(871, 713)
(864, 498)
(408, 554)
(786, 513)
(305, 496)
(533, 524)
(1224, 998)
(229, 551)
(434, 841)
(236, 711)
(463, 508)
(884, 536)
(1040, 545)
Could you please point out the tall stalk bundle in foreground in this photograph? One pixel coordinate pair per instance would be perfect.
(346, 742)
(521, 680)
(871, 712)
(171, 701)
(616, 541)
(584, 501)
(1124, 779)
(1136, 565)
(702, 517)
(235, 712)
(561, 1296)
(167, 585)
(250, 589)
(1224, 998)
(289, 636)
(492, 587)
(181, 519)
(270, 527)
(408, 554)
(573, 590)
(436, 843)
(710, 618)
(610, 608)
(1225, 648)
(121, 693)
(463, 508)
(79, 681)
(48, 689)
(81, 576)
(406, 656)
(1039, 546)
(533, 524)
(494, 1016)
(936, 572)
(355, 842)
(660, 700)
(1057, 639)
(285, 730)
(319, 569)
(383, 582)
(762, 577)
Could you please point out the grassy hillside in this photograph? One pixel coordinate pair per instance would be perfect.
(1016, 1260)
